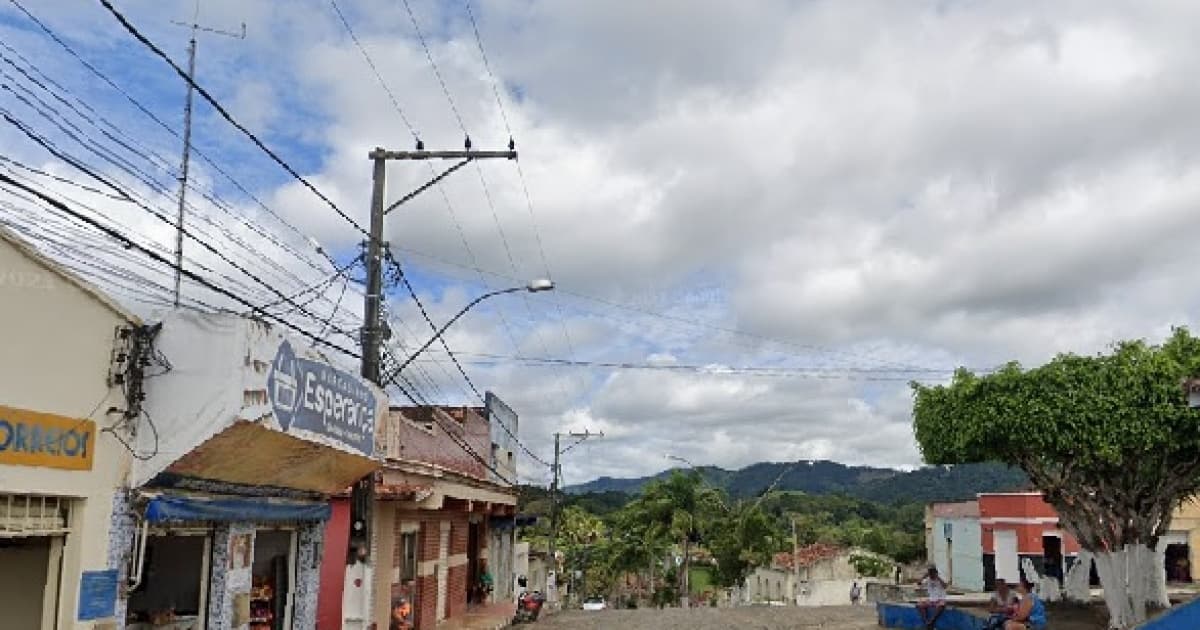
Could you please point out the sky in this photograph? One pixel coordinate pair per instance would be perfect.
(841, 196)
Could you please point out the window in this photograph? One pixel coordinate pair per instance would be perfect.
(408, 556)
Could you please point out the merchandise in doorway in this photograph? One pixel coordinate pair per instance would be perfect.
(271, 580)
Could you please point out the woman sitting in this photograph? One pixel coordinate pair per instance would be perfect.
(1031, 612)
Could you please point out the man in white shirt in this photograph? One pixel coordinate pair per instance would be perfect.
(934, 603)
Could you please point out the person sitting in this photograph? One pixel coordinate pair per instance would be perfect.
(1030, 613)
(1001, 606)
(934, 603)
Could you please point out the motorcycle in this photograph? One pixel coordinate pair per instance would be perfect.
(529, 606)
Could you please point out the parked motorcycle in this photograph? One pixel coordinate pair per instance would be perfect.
(529, 606)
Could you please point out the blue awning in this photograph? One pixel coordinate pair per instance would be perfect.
(167, 508)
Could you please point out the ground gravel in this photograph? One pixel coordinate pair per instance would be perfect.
(756, 617)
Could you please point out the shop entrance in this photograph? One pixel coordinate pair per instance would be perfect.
(272, 579)
(173, 589)
(29, 581)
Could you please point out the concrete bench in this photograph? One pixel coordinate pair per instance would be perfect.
(907, 617)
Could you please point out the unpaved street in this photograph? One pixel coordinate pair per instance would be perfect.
(756, 617)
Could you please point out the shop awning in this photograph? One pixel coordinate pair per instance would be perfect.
(166, 508)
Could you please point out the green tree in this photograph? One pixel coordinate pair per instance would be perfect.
(681, 507)
(742, 538)
(1109, 440)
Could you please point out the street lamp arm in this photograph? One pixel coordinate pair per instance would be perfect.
(437, 335)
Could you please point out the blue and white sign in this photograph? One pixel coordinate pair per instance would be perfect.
(97, 595)
(314, 396)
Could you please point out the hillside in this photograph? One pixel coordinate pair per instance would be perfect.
(824, 477)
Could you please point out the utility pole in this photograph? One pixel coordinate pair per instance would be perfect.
(555, 471)
(795, 561)
(187, 135)
(372, 334)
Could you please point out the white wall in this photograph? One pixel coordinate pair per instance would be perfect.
(966, 569)
(57, 342)
(768, 585)
(220, 367)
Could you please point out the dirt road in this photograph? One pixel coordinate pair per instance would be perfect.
(755, 617)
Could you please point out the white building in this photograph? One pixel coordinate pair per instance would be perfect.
(62, 466)
(253, 430)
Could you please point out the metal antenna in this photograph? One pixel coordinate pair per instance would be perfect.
(194, 25)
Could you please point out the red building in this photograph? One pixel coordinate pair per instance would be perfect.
(1019, 525)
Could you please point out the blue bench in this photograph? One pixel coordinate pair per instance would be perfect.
(1182, 617)
(906, 617)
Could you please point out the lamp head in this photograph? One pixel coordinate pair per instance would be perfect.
(539, 284)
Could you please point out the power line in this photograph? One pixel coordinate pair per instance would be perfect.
(149, 114)
(413, 294)
(437, 177)
(362, 49)
(128, 242)
(93, 146)
(488, 66)
(438, 73)
(229, 118)
(520, 174)
(203, 243)
(695, 323)
(453, 437)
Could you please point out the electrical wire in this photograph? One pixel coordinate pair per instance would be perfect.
(202, 242)
(125, 240)
(436, 71)
(436, 177)
(220, 109)
(362, 49)
(413, 294)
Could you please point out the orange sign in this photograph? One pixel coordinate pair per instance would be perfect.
(29, 438)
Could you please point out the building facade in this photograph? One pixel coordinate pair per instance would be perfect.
(954, 543)
(245, 435)
(1019, 525)
(63, 467)
(437, 501)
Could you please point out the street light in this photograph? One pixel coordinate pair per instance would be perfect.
(534, 286)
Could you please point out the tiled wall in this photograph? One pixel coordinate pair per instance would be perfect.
(226, 584)
(308, 576)
(120, 544)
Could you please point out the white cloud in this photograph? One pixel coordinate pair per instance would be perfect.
(850, 184)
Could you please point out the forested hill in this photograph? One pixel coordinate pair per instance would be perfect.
(884, 485)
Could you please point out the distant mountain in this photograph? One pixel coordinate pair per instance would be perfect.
(886, 485)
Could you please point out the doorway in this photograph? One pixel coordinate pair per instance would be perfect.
(174, 583)
(475, 594)
(29, 581)
(1177, 562)
(272, 579)
(1052, 557)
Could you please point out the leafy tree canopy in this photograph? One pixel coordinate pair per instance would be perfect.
(1109, 439)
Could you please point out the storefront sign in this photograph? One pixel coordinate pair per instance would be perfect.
(29, 438)
(97, 594)
(314, 396)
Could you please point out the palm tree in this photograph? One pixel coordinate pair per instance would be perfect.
(679, 508)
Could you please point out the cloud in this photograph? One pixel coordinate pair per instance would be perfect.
(847, 186)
